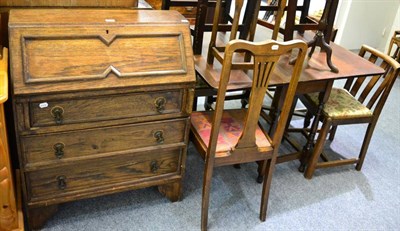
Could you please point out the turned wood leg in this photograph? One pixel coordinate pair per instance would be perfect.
(37, 217)
(307, 147)
(323, 97)
(312, 164)
(307, 119)
(276, 106)
(172, 191)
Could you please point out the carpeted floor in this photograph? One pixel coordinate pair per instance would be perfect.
(335, 199)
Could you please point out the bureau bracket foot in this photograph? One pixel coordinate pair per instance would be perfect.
(172, 191)
(37, 217)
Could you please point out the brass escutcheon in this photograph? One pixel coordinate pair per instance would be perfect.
(59, 150)
(160, 104)
(154, 166)
(57, 113)
(61, 184)
(159, 135)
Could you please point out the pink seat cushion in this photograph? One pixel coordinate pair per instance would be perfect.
(230, 130)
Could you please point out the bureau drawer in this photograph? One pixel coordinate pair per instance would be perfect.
(94, 176)
(64, 146)
(104, 107)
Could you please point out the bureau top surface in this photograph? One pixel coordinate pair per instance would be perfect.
(59, 17)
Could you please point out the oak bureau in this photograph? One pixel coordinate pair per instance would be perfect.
(101, 102)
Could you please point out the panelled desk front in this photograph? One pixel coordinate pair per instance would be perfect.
(101, 101)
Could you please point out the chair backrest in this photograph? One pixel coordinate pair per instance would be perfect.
(374, 91)
(218, 26)
(305, 23)
(265, 56)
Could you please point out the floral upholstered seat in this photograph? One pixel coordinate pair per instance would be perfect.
(230, 130)
(341, 104)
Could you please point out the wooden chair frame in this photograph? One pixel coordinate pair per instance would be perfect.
(265, 55)
(306, 23)
(205, 67)
(370, 93)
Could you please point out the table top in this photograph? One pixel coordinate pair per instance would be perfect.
(315, 68)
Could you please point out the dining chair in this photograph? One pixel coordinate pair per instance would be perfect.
(200, 14)
(207, 72)
(233, 136)
(360, 101)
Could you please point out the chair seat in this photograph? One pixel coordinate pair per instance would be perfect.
(239, 80)
(341, 104)
(230, 131)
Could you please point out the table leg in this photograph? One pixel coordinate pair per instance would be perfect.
(276, 107)
(323, 97)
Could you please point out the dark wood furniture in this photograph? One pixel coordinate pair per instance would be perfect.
(306, 22)
(227, 137)
(101, 100)
(319, 38)
(317, 77)
(6, 5)
(208, 71)
(187, 8)
(360, 101)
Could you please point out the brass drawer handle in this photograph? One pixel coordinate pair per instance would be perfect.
(61, 182)
(154, 166)
(160, 104)
(159, 135)
(57, 113)
(59, 150)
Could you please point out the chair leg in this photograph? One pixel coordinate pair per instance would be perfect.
(307, 119)
(295, 99)
(261, 170)
(332, 133)
(365, 145)
(208, 171)
(313, 159)
(208, 102)
(270, 166)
